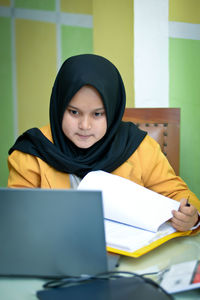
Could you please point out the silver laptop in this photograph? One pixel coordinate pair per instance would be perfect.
(52, 233)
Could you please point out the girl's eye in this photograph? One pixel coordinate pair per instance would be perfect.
(73, 112)
(98, 114)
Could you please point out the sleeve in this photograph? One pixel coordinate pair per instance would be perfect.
(159, 176)
(24, 170)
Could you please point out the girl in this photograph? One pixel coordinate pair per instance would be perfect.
(86, 133)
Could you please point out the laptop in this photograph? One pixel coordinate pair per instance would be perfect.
(52, 233)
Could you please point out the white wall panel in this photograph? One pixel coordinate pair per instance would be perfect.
(151, 53)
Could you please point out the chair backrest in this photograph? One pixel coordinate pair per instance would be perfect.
(162, 124)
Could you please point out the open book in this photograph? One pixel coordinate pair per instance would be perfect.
(136, 218)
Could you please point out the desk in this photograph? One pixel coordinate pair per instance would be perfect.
(174, 251)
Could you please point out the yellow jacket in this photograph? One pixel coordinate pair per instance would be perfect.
(147, 166)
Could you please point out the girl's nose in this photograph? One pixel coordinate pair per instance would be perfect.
(85, 123)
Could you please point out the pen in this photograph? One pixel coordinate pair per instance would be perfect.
(187, 203)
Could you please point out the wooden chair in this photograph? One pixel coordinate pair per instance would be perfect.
(162, 124)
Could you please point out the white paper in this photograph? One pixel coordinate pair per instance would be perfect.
(179, 277)
(129, 238)
(127, 202)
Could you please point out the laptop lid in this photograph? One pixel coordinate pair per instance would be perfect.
(51, 233)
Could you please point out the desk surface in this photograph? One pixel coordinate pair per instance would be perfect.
(174, 251)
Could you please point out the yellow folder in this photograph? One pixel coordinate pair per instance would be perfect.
(149, 247)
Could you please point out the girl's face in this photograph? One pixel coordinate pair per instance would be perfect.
(84, 121)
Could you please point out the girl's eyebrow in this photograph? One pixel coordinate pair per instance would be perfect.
(74, 107)
(100, 108)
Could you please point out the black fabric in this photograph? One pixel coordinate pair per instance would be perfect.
(120, 140)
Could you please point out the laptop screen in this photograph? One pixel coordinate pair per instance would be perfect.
(51, 233)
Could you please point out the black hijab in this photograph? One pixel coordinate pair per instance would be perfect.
(121, 138)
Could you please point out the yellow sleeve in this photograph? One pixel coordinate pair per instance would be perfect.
(24, 170)
(159, 176)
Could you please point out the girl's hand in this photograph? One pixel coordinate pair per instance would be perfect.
(185, 218)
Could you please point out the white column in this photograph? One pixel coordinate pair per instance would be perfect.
(151, 53)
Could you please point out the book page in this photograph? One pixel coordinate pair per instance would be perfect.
(130, 239)
(127, 202)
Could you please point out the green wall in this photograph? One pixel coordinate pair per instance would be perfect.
(6, 98)
(80, 38)
(185, 93)
(36, 4)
